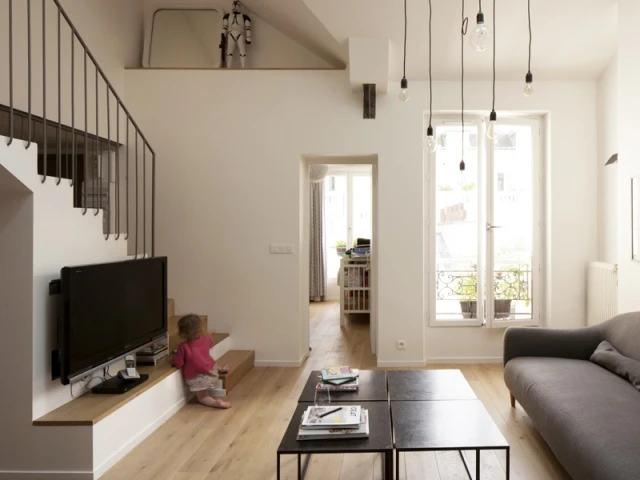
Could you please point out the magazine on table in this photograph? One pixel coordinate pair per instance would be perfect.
(336, 374)
(348, 386)
(334, 416)
(362, 431)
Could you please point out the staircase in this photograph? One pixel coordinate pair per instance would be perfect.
(240, 362)
(86, 138)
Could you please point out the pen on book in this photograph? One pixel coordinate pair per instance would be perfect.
(330, 412)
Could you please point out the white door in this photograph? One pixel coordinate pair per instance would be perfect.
(484, 225)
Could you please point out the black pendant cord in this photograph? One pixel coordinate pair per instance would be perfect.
(530, 34)
(430, 77)
(404, 61)
(493, 104)
(463, 32)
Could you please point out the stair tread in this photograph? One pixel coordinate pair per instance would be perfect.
(240, 362)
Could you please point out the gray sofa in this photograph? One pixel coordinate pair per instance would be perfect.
(589, 416)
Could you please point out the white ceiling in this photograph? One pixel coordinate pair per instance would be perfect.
(572, 39)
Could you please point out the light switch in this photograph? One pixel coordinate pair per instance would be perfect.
(281, 249)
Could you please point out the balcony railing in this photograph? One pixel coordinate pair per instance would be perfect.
(510, 283)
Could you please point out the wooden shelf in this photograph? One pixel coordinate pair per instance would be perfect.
(89, 409)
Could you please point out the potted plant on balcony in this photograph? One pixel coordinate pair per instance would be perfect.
(510, 284)
(341, 247)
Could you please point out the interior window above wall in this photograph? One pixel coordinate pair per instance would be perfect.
(185, 38)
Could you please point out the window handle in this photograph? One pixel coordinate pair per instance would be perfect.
(491, 227)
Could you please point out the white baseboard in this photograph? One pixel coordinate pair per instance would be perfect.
(44, 475)
(437, 360)
(399, 363)
(135, 441)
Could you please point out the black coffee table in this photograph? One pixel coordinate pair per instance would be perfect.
(418, 385)
(379, 439)
(372, 388)
(446, 425)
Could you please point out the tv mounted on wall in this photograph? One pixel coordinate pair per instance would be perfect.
(109, 310)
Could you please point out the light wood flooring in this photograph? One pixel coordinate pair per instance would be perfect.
(199, 443)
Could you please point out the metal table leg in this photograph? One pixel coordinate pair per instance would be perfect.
(508, 473)
(387, 472)
(299, 467)
(278, 467)
(477, 464)
(397, 465)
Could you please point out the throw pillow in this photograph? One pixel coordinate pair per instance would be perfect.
(608, 357)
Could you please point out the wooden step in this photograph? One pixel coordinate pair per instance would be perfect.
(171, 307)
(240, 363)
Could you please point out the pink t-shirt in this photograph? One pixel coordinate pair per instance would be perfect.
(194, 357)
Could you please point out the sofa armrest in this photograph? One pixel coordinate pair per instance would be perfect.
(576, 343)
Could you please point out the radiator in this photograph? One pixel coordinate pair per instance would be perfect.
(602, 292)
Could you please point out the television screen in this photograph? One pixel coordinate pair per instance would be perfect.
(109, 310)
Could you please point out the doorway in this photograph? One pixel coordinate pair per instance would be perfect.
(349, 213)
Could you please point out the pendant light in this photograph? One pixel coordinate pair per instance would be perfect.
(528, 88)
(463, 32)
(480, 35)
(404, 84)
(430, 143)
(491, 128)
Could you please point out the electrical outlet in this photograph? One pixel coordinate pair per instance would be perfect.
(401, 344)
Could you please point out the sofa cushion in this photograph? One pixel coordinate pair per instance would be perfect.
(623, 332)
(608, 357)
(589, 417)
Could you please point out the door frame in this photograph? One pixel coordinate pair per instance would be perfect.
(304, 236)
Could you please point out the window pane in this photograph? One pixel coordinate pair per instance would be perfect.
(513, 212)
(361, 206)
(456, 226)
(335, 220)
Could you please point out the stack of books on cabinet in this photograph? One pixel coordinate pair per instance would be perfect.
(333, 422)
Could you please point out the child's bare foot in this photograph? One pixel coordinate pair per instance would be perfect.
(205, 399)
(223, 369)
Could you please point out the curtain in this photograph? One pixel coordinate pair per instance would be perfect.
(317, 278)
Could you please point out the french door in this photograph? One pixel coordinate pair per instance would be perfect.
(484, 225)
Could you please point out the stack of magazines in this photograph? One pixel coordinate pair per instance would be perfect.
(338, 379)
(152, 354)
(334, 422)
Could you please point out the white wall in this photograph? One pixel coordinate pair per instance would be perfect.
(60, 236)
(628, 144)
(608, 176)
(229, 172)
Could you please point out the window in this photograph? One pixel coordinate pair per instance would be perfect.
(483, 228)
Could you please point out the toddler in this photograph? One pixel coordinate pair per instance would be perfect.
(193, 357)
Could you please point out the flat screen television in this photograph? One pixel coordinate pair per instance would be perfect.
(109, 310)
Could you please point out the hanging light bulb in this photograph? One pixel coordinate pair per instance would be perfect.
(491, 128)
(481, 35)
(528, 87)
(404, 90)
(430, 144)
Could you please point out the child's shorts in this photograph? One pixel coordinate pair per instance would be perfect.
(204, 381)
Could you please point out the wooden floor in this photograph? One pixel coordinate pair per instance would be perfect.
(200, 443)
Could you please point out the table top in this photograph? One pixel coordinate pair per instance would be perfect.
(450, 425)
(379, 434)
(406, 385)
(372, 388)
